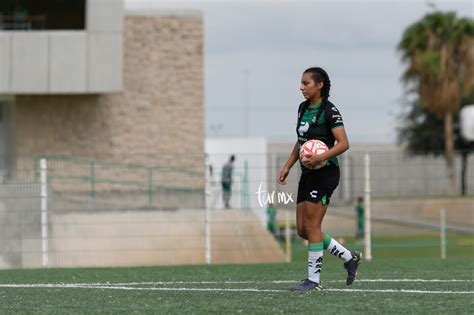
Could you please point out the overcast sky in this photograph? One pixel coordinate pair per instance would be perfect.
(256, 51)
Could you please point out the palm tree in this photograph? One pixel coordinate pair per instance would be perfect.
(439, 53)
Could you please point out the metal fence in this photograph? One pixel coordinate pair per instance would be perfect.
(58, 211)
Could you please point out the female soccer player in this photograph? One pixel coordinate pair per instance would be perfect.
(318, 119)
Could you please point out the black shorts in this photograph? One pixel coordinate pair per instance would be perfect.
(318, 185)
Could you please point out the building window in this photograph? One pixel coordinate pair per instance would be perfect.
(42, 14)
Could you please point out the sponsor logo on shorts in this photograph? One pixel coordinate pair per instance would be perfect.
(314, 194)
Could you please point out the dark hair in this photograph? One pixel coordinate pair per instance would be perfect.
(319, 75)
(232, 158)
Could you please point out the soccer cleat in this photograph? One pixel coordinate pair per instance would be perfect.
(307, 285)
(351, 267)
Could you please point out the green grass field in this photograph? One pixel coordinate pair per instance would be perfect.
(398, 280)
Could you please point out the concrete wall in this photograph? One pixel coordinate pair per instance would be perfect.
(49, 62)
(155, 112)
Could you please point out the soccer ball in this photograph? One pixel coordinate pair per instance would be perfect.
(311, 147)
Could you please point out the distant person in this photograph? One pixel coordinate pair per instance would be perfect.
(271, 219)
(226, 180)
(359, 209)
(318, 119)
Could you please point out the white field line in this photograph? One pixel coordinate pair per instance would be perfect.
(257, 282)
(75, 286)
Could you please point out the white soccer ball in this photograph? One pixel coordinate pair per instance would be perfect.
(311, 147)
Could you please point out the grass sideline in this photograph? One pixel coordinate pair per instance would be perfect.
(253, 289)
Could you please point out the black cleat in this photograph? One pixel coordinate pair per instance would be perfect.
(351, 267)
(307, 285)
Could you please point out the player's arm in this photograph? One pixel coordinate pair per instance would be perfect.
(341, 146)
(288, 165)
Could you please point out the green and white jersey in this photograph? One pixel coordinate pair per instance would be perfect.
(328, 118)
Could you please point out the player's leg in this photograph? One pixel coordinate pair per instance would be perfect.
(334, 247)
(223, 193)
(226, 194)
(313, 214)
(312, 283)
(351, 258)
(313, 218)
(300, 208)
(229, 195)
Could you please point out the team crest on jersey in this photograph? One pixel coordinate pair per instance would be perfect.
(303, 128)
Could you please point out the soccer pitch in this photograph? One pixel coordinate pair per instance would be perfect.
(390, 284)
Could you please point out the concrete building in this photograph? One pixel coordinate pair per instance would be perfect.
(98, 82)
(106, 96)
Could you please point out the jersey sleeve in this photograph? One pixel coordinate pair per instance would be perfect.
(334, 117)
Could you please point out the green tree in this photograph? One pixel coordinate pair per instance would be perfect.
(422, 133)
(439, 53)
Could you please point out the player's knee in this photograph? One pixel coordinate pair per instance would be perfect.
(312, 230)
(301, 232)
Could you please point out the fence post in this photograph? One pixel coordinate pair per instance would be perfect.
(442, 216)
(346, 188)
(92, 179)
(288, 237)
(367, 231)
(150, 186)
(208, 237)
(244, 193)
(273, 172)
(44, 212)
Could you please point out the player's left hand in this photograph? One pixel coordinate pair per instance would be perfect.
(313, 161)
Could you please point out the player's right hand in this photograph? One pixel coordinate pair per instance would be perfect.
(282, 176)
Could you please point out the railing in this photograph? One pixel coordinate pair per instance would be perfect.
(146, 180)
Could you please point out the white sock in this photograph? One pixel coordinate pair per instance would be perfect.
(315, 263)
(339, 251)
